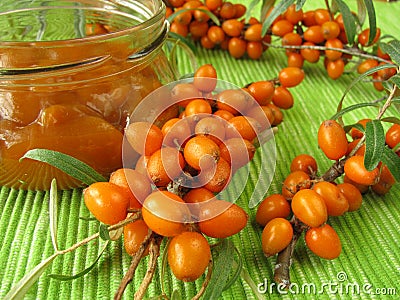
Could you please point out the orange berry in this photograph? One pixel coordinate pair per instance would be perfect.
(332, 54)
(295, 182)
(363, 37)
(253, 33)
(254, 50)
(215, 180)
(201, 152)
(352, 195)
(205, 78)
(234, 101)
(335, 201)
(216, 34)
(330, 30)
(305, 163)
(310, 55)
(144, 137)
(321, 16)
(324, 242)
(197, 106)
(273, 206)
(354, 168)
(314, 34)
(262, 91)
(282, 27)
(332, 139)
(290, 76)
(276, 236)
(310, 208)
(246, 127)
(237, 47)
(237, 152)
(392, 136)
(335, 68)
(282, 98)
(292, 15)
(134, 235)
(232, 27)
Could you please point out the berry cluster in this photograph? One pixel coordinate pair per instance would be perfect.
(233, 34)
(184, 159)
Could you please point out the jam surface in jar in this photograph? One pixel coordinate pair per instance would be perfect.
(75, 95)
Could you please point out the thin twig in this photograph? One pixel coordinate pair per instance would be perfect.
(154, 251)
(132, 268)
(205, 282)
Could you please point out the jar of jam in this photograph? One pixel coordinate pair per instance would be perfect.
(71, 72)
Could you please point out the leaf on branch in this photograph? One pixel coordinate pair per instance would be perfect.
(392, 120)
(68, 164)
(300, 4)
(104, 233)
(53, 207)
(249, 11)
(176, 295)
(279, 9)
(238, 270)
(349, 23)
(396, 80)
(390, 48)
(351, 108)
(62, 277)
(361, 12)
(358, 126)
(369, 4)
(223, 261)
(374, 144)
(392, 161)
(20, 289)
(212, 16)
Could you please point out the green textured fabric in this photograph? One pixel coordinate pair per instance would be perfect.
(370, 236)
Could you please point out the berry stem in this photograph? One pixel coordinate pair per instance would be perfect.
(134, 263)
(205, 282)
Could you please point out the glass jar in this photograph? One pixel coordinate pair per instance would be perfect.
(70, 74)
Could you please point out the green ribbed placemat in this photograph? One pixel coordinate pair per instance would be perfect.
(370, 236)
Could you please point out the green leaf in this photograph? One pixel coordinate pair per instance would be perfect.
(392, 160)
(348, 21)
(238, 270)
(358, 126)
(176, 295)
(250, 7)
(53, 207)
(369, 4)
(62, 277)
(68, 164)
(223, 261)
(361, 12)
(213, 17)
(358, 79)
(390, 48)
(351, 108)
(396, 80)
(279, 9)
(374, 144)
(104, 233)
(393, 120)
(20, 289)
(300, 4)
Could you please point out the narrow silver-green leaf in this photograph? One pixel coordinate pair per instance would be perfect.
(374, 144)
(238, 270)
(396, 80)
(104, 233)
(392, 160)
(213, 17)
(176, 295)
(223, 261)
(53, 213)
(361, 12)
(62, 277)
(300, 4)
(392, 48)
(250, 7)
(278, 9)
(392, 120)
(369, 4)
(66, 163)
(20, 289)
(351, 108)
(349, 23)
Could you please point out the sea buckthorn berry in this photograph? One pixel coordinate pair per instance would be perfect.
(183, 93)
(237, 47)
(361, 187)
(305, 163)
(295, 59)
(336, 203)
(357, 134)
(392, 136)
(309, 207)
(221, 219)
(198, 29)
(382, 54)
(237, 151)
(201, 152)
(332, 139)
(206, 42)
(240, 10)
(314, 34)
(195, 196)
(205, 78)
(377, 82)
(197, 106)
(293, 15)
(353, 144)
(213, 4)
(246, 127)
(263, 115)
(200, 15)
(176, 131)
(189, 4)
(292, 39)
(276, 236)
(211, 127)
(144, 137)
(290, 76)
(295, 182)
(309, 18)
(165, 165)
(262, 91)
(324, 242)
(385, 74)
(354, 168)
(335, 68)
(332, 54)
(321, 16)
(330, 30)
(136, 184)
(215, 180)
(223, 114)
(165, 213)
(273, 206)
(352, 195)
(385, 182)
(363, 37)
(254, 50)
(282, 98)
(227, 10)
(176, 3)
(232, 27)
(277, 113)
(188, 256)
(309, 54)
(366, 65)
(253, 33)
(216, 34)
(282, 27)
(183, 17)
(108, 202)
(234, 101)
(134, 235)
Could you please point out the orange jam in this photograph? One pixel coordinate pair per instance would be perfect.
(73, 90)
